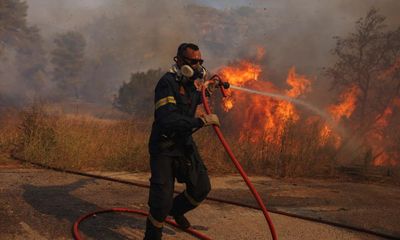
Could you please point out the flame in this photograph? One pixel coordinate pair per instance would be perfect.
(347, 104)
(246, 71)
(378, 141)
(376, 138)
(343, 109)
(227, 103)
(265, 118)
(324, 135)
(299, 83)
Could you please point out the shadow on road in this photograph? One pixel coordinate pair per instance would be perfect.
(59, 202)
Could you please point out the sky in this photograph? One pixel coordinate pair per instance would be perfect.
(301, 27)
(293, 32)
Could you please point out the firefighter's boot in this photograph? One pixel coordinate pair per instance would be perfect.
(182, 221)
(152, 232)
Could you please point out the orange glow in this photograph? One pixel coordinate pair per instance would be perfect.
(343, 109)
(377, 139)
(227, 103)
(391, 70)
(346, 106)
(246, 71)
(265, 120)
(300, 84)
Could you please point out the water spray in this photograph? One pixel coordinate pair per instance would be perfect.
(286, 98)
(331, 122)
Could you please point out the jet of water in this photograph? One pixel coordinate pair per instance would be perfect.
(299, 102)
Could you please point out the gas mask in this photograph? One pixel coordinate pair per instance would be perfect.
(193, 74)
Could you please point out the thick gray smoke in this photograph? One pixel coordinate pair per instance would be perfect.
(293, 32)
(125, 36)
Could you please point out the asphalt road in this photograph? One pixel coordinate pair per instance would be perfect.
(43, 204)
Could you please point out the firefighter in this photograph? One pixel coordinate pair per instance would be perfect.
(173, 153)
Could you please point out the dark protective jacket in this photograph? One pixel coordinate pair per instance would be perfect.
(175, 107)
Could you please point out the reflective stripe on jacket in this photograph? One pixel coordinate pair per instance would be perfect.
(175, 106)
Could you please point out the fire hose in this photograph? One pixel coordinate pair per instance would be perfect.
(214, 199)
(126, 210)
(222, 85)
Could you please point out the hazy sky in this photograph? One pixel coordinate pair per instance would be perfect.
(294, 32)
(296, 26)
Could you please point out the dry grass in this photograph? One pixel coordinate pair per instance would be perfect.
(9, 133)
(85, 142)
(213, 153)
(293, 152)
(82, 142)
(76, 141)
(88, 143)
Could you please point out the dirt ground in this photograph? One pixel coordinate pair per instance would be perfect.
(43, 204)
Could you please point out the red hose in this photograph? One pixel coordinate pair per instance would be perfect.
(143, 185)
(75, 228)
(77, 235)
(237, 164)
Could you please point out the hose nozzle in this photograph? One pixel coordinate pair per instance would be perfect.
(225, 85)
(219, 83)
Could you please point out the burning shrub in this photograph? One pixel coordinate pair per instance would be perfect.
(367, 73)
(271, 133)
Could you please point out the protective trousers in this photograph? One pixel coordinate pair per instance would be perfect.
(163, 173)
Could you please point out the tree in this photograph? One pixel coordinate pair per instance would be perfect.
(136, 96)
(12, 22)
(27, 44)
(369, 60)
(68, 60)
(31, 59)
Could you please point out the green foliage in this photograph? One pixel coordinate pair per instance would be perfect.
(68, 60)
(137, 96)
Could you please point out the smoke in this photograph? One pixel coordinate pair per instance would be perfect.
(127, 36)
(301, 32)
(293, 32)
